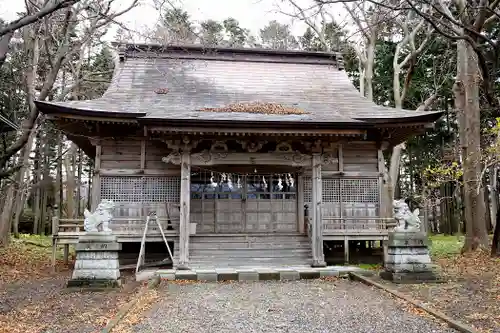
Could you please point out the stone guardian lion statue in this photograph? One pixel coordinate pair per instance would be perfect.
(100, 218)
(407, 221)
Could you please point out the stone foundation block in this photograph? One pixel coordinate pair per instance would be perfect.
(102, 274)
(289, 275)
(97, 247)
(96, 255)
(248, 276)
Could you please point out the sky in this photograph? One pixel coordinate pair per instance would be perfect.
(252, 14)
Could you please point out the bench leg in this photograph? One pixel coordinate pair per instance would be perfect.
(346, 250)
(66, 253)
(54, 253)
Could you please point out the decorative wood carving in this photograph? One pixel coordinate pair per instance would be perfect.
(184, 144)
(317, 147)
(202, 157)
(297, 158)
(172, 158)
(284, 147)
(211, 158)
(252, 146)
(307, 145)
(94, 141)
(329, 158)
(219, 147)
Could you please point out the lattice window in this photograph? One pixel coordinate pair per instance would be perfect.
(140, 189)
(345, 190)
(331, 190)
(307, 190)
(360, 190)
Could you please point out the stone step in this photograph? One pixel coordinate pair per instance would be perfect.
(243, 253)
(235, 246)
(261, 263)
(254, 239)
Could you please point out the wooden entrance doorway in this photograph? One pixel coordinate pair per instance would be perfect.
(250, 203)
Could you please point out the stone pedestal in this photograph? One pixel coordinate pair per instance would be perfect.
(408, 259)
(96, 264)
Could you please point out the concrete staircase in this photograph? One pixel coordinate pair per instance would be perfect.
(208, 251)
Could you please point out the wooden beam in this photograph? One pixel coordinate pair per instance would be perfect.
(139, 172)
(317, 221)
(208, 158)
(253, 131)
(341, 157)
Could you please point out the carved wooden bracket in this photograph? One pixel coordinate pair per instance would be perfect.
(95, 141)
(184, 144)
(329, 158)
(284, 147)
(219, 147)
(172, 158)
(252, 146)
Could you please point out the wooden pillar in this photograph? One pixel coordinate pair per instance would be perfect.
(96, 184)
(385, 206)
(300, 204)
(184, 210)
(317, 222)
(66, 254)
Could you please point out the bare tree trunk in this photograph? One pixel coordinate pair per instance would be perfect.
(59, 188)
(70, 183)
(493, 196)
(20, 181)
(495, 246)
(38, 189)
(47, 184)
(467, 99)
(6, 216)
(370, 59)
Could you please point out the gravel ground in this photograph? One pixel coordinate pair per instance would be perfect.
(300, 306)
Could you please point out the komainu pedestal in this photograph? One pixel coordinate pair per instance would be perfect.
(408, 259)
(96, 264)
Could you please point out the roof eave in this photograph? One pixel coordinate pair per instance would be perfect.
(52, 108)
(431, 117)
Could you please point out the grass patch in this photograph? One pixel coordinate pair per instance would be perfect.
(369, 266)
(443, 246)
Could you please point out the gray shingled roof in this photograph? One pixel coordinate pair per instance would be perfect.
(195, 82)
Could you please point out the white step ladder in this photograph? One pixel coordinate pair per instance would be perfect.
(142, 252)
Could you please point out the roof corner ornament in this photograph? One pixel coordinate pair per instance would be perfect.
(340, 60)
(122, 49)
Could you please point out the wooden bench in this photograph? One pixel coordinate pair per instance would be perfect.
(127, 229)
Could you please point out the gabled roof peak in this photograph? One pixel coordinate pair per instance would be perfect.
(199, 51)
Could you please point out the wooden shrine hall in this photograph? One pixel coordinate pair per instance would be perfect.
(247, 156)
